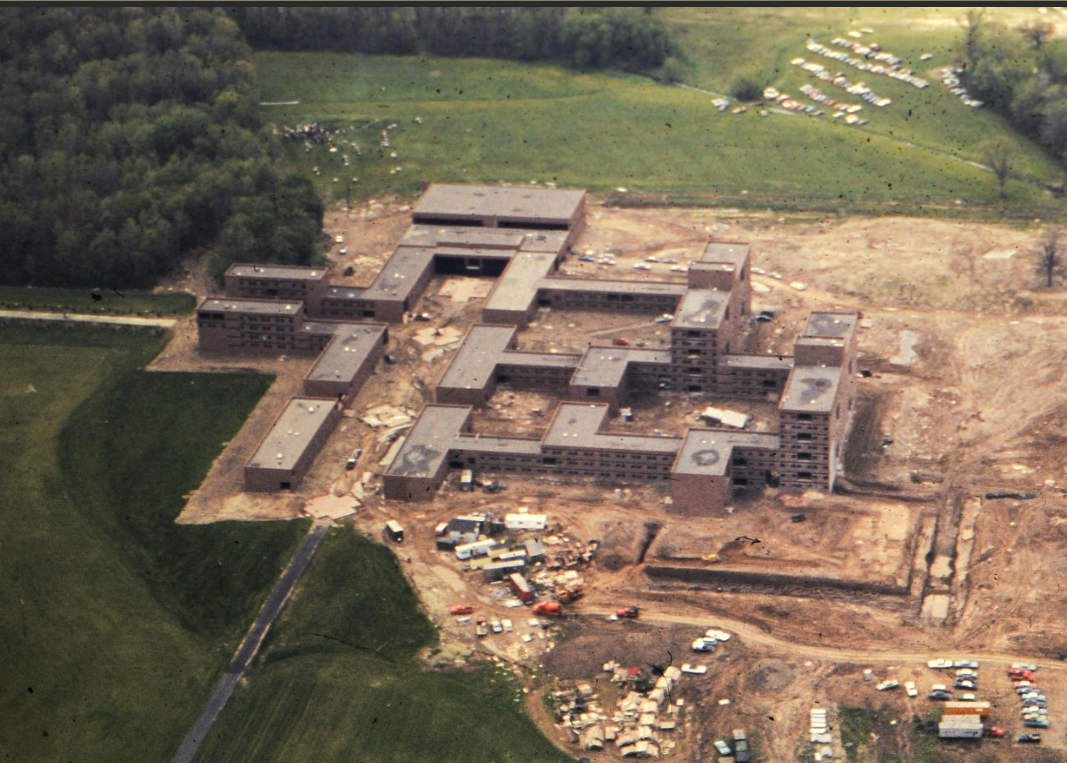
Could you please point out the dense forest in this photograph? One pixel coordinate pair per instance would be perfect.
(128, 137)
(1020, 73)
(630, 39)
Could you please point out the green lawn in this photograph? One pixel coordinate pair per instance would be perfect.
(336, 680)
(115, 621)
(110, 303)
(491, 121)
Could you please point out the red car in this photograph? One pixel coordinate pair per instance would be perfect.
(629, 612)
(461, 609)
(621, 342)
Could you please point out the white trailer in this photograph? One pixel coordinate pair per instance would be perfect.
(525, 521)
(960, 727)
(478, 548)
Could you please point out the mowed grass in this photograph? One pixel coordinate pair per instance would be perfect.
(109, 302)
(337, 680)
(471, 120)
(115, 621)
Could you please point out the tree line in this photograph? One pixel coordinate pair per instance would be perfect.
(1021, 73)
(130, 136)
(629, 39)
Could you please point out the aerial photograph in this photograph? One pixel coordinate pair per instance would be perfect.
(533, 384)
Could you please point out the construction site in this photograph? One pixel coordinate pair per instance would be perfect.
(847, 471)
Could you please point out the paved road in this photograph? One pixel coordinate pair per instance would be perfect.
(248, 648)
(122, 320)
(873, 653)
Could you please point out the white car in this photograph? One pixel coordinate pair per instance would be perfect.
(696, 670)
(973, 664)
(717, 634)
(909, 686)
(704, 644)
(938, 664)
(496, 626)
(722, 747)
(892, 683)
(507, 625)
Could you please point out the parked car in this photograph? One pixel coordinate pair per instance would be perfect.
(909, 687)
(461, 609)
(996, 732)
(938, 664)
(630, 612)
(887, 685)
(350, 464)
(704, 644)
(965, 664)
(940, 695)
(1031, 738)
(696, 670)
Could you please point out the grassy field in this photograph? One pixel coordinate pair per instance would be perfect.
(115, 621)
(488, 121)
(110, 303)
(873, 735)
(337, 681)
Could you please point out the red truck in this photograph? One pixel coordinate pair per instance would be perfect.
(521, 587)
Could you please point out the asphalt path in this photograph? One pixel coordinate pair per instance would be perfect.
(120, 320)
(250, 645)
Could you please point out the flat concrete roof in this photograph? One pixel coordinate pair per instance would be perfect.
(708, 451)
(474, 362)
(830, 325)
(259, 306)
(480, 443)
(591, 286)
(539, 359)
(517, 286)
(429, 441)
(757, 362)
(318, 328)
(725, 252)
(347, 352)
(554, 241)
(701, 309)
(292, 433)
(288, 272)
(515, 203)
(462, 236)
(399, 274)
(577, 425)
(345, 292)
(811, 389)
(606, 366)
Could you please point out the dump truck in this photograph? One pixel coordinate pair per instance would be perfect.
(548, 608)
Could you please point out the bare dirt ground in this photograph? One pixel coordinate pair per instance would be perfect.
(963, 393)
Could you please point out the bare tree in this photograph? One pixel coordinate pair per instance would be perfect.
(1050, 256)
(998, 157)
(1037, 32)
(973, 24)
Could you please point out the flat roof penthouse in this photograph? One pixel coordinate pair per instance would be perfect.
(347, 360)
(285, 454)
(497, 207)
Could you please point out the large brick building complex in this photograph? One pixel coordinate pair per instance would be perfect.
(520, 236)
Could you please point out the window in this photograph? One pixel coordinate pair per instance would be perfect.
(803, 417)
(803, 456)
(803, 475)
(804, 436)
(593, 392)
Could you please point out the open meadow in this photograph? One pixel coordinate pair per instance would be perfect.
(337, 679)
(115, 621)
(411, 120)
